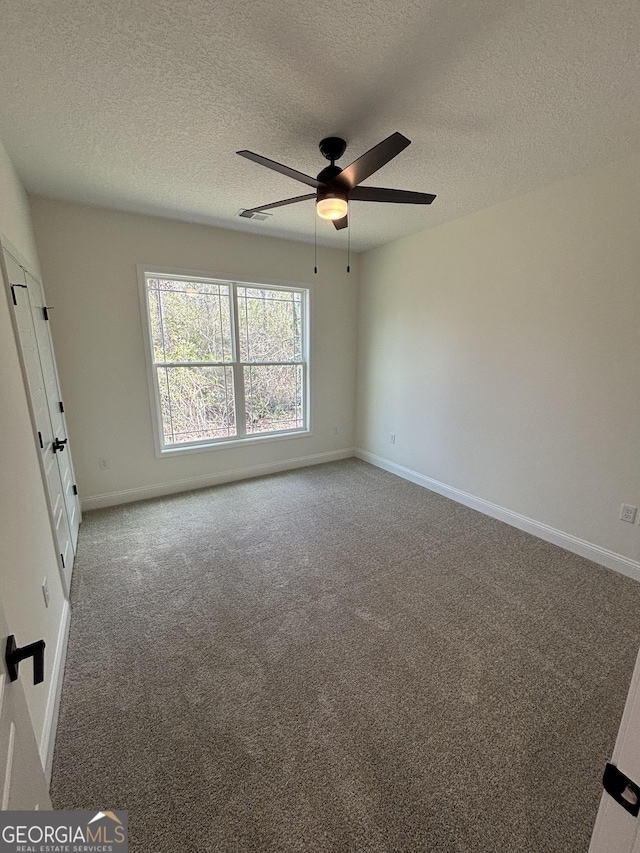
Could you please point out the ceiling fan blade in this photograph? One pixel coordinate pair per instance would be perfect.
(280, 203)
(339, 224)
(278, 167)
(384, 194)
(374, 159)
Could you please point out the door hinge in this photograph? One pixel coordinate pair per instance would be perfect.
(13, 292)
(75, 489)
(40, 440)
(623, 790)
(45, 311)
(62, 558)
(61, 406)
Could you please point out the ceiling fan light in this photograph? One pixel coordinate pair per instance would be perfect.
(332, 207)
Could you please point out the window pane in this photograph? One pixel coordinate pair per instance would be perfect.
(197, 403)
(273, 397)
(190, 321)
(270, 324)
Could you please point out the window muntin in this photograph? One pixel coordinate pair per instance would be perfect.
(273, 397)
(270, 325)
(190, 320)
(196, 402)
(229, 360)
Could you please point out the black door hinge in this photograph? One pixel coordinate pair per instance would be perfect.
(13, 293)
(45, 311)
(62, 558)
(40, 440)
(75, 489)
(61, 406)
(623, 790)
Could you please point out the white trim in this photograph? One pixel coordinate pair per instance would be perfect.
(154, 400)
(50, 726)
(8, 246)
(208, 275)
(609, 559)
(258, 438)
(8, 770)
(162, 450)
(169, 488)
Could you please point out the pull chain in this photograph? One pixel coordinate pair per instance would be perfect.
(315, 242)
(349, 245)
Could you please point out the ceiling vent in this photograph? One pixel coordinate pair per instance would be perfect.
(250, 214)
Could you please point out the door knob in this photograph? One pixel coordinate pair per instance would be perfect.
(13, 655)
(59, 445)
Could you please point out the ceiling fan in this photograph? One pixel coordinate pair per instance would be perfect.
(336, 187)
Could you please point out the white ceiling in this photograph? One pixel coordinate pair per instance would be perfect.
(142, 104)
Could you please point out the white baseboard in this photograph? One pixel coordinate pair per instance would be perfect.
(169, 488)
(48, 739)
(609, 559)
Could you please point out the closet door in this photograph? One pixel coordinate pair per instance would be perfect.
(55, 404)
(50, 433)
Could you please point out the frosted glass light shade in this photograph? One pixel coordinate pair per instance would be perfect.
(332, 208)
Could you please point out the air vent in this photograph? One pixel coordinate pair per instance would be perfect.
(247, 214)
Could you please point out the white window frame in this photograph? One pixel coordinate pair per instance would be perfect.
(163, 450)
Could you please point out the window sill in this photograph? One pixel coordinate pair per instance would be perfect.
(166, 452)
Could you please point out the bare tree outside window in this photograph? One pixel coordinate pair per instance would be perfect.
(229, 360)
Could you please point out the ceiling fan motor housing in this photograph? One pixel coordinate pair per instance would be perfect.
(332, 192)
(332, 189)
(332, 197)
(329, 174)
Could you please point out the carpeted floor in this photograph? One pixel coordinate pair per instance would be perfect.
(333, 659)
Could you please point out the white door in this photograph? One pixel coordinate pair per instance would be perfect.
(40, 411)
(55, 405)
(616, 831)
(22, 780)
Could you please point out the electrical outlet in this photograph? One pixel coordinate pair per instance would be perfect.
(104, 464)
(392, 438)
(45, 592)
(628, 513)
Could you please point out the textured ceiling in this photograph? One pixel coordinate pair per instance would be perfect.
(142, 104)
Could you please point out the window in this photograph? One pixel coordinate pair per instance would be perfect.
(228, 359)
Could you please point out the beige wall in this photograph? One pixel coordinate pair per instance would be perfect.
(503, 350)
(27, 551)
(89, 258)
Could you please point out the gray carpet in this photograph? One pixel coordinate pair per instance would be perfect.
(334, 659)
